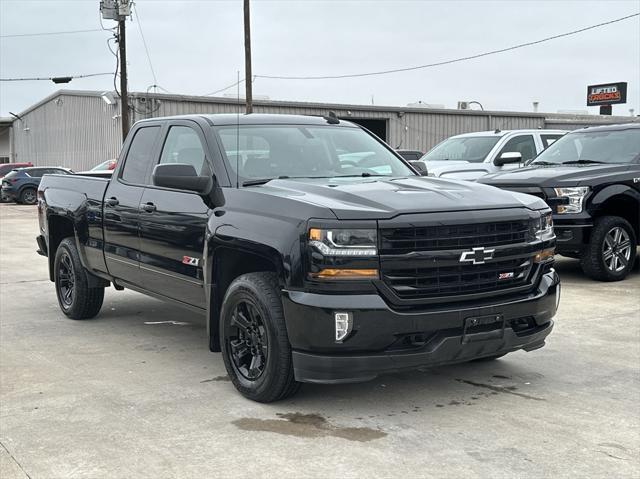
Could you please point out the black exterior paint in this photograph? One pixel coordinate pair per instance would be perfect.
(613, 189)
(265, 227)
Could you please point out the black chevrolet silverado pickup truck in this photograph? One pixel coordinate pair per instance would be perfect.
(591, 180)
(314, 251)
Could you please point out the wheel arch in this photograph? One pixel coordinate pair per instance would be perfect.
(229, 263)
(59, 228)
(622, 202)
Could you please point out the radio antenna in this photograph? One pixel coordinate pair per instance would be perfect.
(238, 133)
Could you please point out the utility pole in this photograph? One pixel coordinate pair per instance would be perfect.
(119, 10)
(124, 96)
(247, 58)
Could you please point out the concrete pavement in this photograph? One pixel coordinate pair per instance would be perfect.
(136, 393)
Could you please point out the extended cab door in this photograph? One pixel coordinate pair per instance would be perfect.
(122, 203)
(173, 223)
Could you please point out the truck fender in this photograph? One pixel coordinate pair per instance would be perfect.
(69, 207)
(609, 192)
(228, 255)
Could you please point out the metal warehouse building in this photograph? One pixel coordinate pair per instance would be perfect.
(79, 129)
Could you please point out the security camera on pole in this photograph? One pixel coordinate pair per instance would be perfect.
(119, 10)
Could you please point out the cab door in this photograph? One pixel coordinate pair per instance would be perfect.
(122, 205)
(173, 223)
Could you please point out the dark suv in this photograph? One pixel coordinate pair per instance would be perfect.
(21, 185)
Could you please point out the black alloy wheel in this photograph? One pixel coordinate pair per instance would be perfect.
(77, 297)
(253, 338)
(248, 341)
(66, 280)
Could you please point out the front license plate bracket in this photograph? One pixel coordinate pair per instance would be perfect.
(482, 328)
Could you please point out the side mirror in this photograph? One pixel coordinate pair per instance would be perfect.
(508, 157)
(421, 166)
(181, 176)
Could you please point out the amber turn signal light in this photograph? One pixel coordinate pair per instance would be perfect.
(330, 273)
(544, 255)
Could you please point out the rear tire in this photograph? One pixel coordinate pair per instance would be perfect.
(254, 341)
(76, 298)
(29, 196)
(611, 251)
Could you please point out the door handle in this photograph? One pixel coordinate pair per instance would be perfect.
(148, 207)
(113, 201)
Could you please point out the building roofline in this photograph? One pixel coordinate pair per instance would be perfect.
(547, 117)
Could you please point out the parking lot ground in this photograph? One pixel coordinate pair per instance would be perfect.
(136, 393)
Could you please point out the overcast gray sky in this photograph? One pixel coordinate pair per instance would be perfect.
(196, 47)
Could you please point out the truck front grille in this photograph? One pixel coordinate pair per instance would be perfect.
(436, 238)
(439, 281)
(423, 261)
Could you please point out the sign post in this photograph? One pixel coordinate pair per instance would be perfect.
(605, 95)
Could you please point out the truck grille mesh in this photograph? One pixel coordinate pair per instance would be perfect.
(415, 283)
(439, 276)
(437, 238)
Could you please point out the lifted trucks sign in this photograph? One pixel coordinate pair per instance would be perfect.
(607, 94)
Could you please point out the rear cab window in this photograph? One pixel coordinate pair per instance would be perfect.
(548, 140)
(140, 155)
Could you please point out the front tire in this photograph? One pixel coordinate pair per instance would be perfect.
(254, 340)
(76, 298)
(611, 251)
(29, 196)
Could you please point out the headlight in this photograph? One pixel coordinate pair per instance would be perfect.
(344, 242)
(576, 196)
(343, 254)
(543, 226)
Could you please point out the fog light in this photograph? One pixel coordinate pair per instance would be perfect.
(344, 324)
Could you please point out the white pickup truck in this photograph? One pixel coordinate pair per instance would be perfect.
(472, 155)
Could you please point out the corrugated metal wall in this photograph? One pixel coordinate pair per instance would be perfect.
(79, 130)
(405, 129)
(73, 131)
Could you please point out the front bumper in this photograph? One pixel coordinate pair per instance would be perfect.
(571, 238)
(378, 343)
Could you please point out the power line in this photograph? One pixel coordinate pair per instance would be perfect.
(225, 88)
(50, 33)
(144, 42)
(446, 62)
(70, 77)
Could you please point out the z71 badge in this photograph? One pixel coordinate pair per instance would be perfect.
(190, 261)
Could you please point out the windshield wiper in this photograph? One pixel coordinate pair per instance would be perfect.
(582, 162)
(262, 181)
(543, 163)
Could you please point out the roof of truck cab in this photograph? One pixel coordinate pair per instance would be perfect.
(501, 133)
(621, 126)
(227, 119)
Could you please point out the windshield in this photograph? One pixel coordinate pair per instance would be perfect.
(618, 146)
(473, 149)
(265, 151)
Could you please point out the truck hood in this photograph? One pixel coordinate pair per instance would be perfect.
(381, 198)
(552, 176)
(457, 169)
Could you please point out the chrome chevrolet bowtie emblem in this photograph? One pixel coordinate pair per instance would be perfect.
(477, 255)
